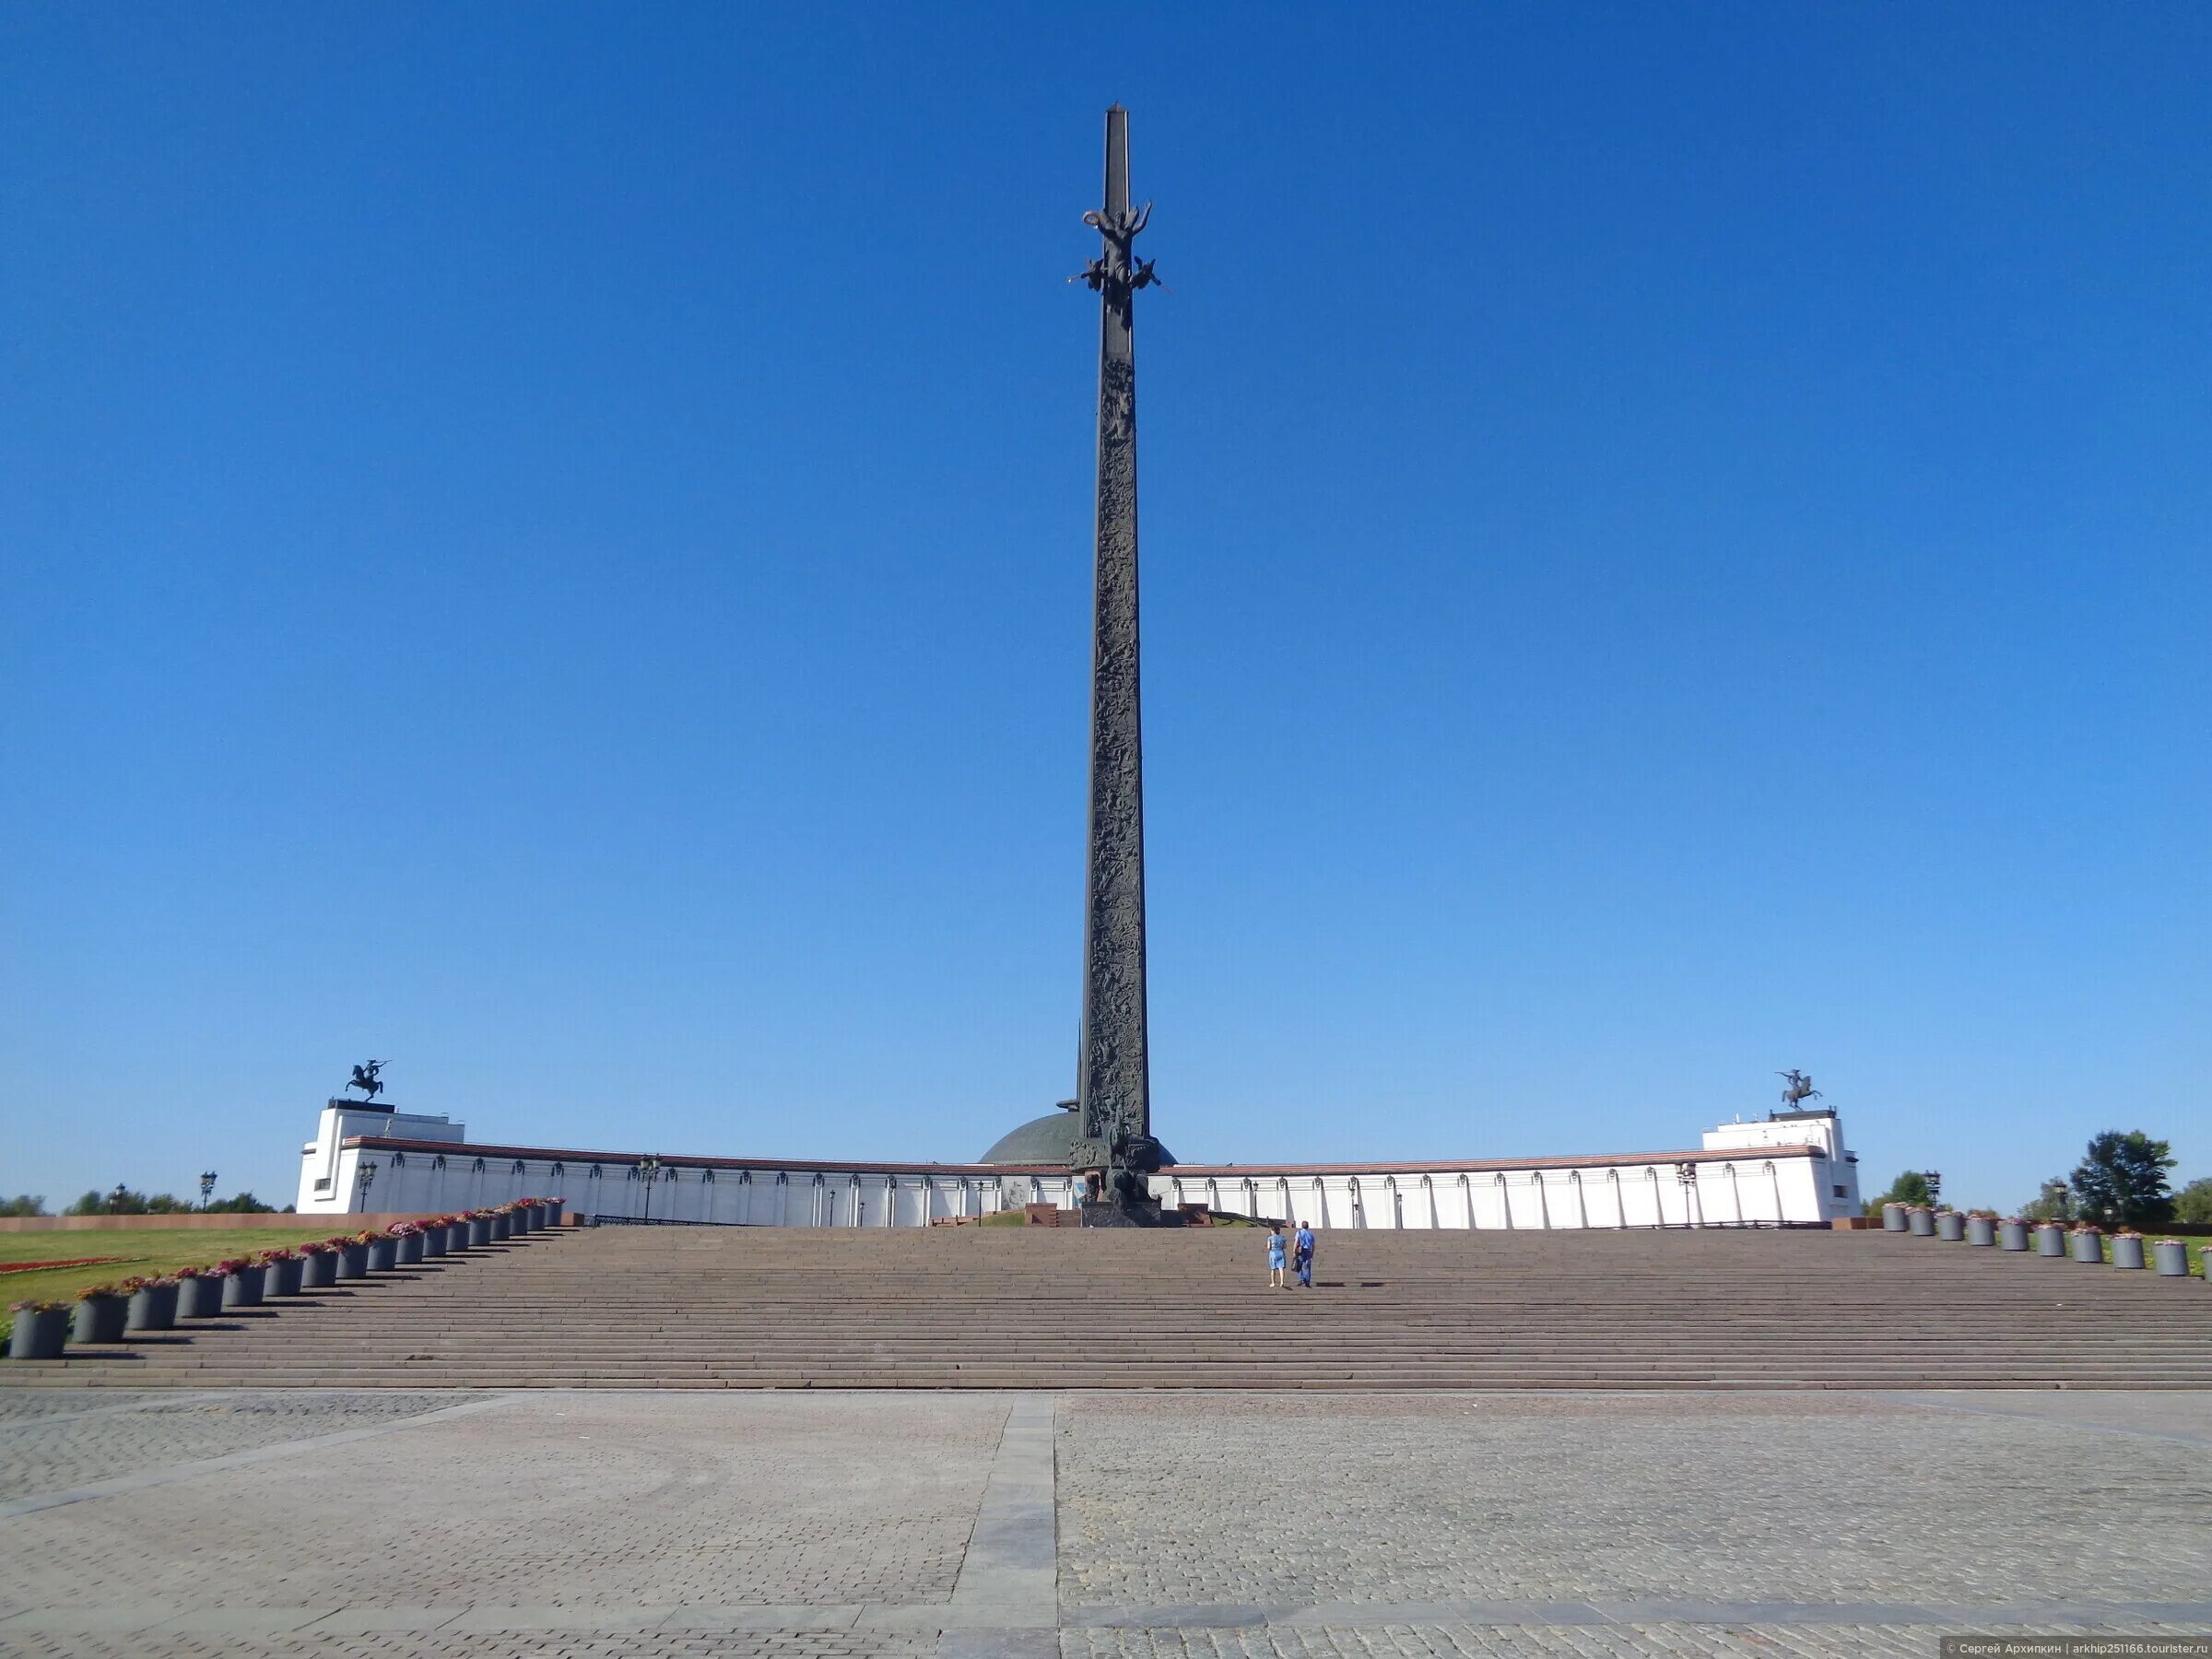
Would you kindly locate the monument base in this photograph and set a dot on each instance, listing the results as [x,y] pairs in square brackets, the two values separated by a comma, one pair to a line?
[1129,1212]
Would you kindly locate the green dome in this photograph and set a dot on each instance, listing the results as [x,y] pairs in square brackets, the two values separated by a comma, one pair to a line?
[1051,1139]
[1055,1139]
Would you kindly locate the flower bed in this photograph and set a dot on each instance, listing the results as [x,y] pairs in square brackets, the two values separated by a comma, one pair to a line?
[2191,1248]
[149,1252]
[69,1262]
[38,1329]
[272,1263]
[100,1314]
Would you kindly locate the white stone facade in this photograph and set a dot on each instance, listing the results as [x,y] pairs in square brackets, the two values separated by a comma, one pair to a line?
[1792,1182]
[330,1180]
[1799,1172]
[1780,1129]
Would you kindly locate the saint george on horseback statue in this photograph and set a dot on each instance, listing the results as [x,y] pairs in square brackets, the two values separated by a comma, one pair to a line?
[1798,1086]
[369,1078]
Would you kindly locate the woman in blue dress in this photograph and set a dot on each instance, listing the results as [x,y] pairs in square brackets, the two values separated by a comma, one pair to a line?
[1275,1259]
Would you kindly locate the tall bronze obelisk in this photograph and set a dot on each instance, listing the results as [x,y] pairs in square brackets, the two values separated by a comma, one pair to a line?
[1114,1088]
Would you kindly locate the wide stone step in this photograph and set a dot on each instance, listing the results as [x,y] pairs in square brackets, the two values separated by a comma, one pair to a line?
[1257,1381]
[967,1308]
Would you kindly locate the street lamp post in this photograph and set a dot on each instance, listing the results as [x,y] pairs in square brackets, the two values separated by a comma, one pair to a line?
[116,1197]
[649,1171]
[1686,1173]
[1934,1180]
[367,1179]
[206,1188]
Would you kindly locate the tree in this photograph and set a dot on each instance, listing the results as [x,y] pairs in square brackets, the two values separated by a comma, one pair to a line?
[23,1203]
[244,1204]
[2122,1179]
[121,1200]
[129,1203]
[1910,1187]
[2054,1203]
[2192,1204]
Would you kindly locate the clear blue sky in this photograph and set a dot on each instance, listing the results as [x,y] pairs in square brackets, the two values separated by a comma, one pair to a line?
[550,544]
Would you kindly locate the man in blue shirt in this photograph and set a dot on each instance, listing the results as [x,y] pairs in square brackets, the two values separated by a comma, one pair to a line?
[1304,1255]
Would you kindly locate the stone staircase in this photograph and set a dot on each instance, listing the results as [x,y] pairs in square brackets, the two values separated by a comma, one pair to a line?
[628,1307]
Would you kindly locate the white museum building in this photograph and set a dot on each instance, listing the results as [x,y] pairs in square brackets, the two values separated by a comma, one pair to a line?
[1788,1168]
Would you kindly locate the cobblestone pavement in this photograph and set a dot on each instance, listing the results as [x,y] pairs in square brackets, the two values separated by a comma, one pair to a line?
[51,1440]
[1394,1641]
[506,1645]
[1570,1641]
[1712,1497]
[419,1524]
[545,1500]
[22,1405]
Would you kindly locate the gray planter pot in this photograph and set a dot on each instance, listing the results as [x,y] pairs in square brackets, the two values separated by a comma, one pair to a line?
[1893,1218]
[2170,1257]
[410,1250]
[1981,1230]
[39,1336]
[456,1238]
[2087,1247]
[480,1231]
[318,1271]
[556,1213]
[153,1308]
[2013,1235]
[383,1256]
[281,1279]
[200,1298]
[242,1290]
[1951,1226]
[518,1222]
[1922,1222]
[433,1243]
[353,1261]
[99,1319]
[2127,1252]
[502,1226]
[2051,1240]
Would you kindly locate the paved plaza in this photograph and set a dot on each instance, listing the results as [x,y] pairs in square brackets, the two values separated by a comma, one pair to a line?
[316,1524]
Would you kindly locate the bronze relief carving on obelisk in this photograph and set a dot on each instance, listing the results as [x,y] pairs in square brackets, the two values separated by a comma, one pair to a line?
[1114,1088]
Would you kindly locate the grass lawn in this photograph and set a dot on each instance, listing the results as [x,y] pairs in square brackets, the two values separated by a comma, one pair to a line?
[153,1250]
